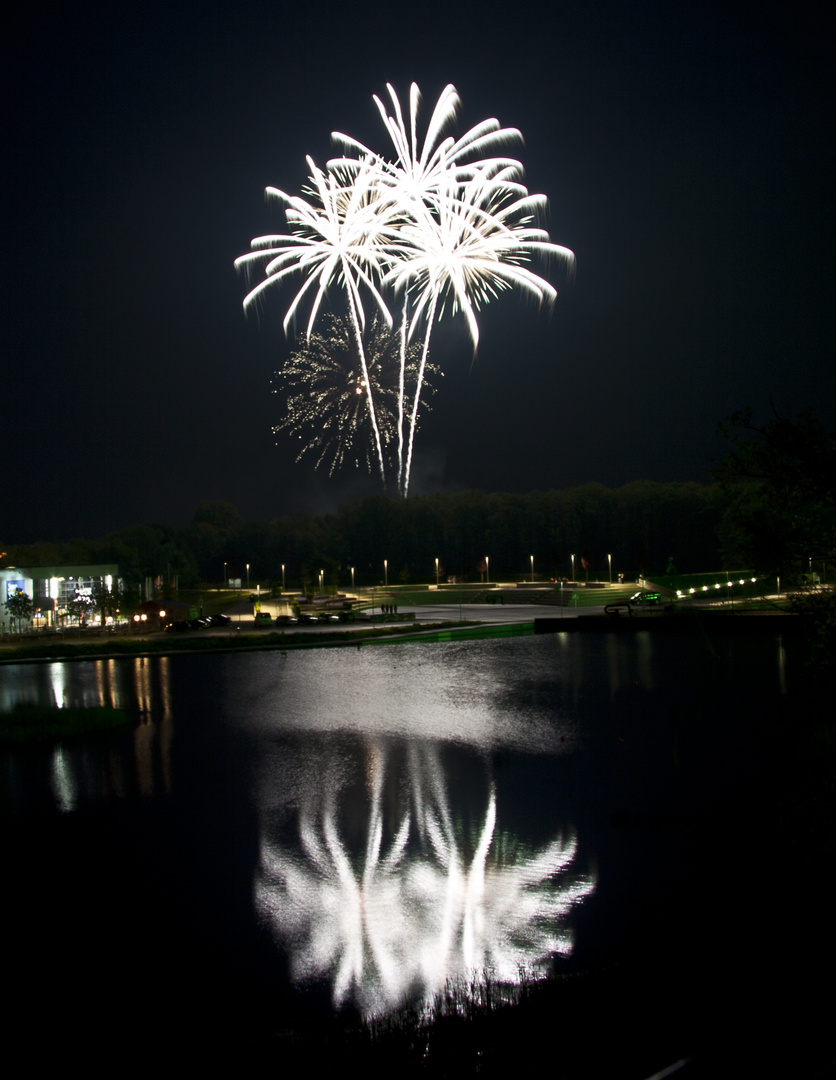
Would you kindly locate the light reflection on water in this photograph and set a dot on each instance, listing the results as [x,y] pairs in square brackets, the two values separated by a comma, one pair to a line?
[483,697]
[69,774]
[416,901]
[414,812]
[387,877]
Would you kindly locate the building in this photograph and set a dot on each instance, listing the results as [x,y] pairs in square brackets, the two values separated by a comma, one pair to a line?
[52,588]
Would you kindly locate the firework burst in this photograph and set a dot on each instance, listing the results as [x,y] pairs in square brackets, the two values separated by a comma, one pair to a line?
[335,237]
[447,224]
[327,392]
[474,244]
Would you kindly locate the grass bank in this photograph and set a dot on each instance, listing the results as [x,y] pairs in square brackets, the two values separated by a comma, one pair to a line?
[38,723]
[168,644]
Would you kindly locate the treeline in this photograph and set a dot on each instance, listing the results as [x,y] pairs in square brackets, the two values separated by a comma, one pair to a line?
[641,526]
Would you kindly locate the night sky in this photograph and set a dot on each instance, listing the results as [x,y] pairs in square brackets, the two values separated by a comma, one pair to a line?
[687,159]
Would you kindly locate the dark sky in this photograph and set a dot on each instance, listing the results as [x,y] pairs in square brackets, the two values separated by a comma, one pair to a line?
[686,153]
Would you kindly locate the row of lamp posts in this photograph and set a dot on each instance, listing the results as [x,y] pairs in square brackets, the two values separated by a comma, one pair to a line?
[386,572]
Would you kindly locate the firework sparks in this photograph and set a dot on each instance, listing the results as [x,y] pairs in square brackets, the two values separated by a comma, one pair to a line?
[327,403]
[333,239]
[416,178]
[473,245]
[448,221]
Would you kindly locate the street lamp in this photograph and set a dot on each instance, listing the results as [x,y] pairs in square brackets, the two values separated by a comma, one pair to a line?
[572,557]
[487,570]
[352,579]
[248,575]
[224,575]
[282,577]
[386,573]
[532,569]
[609,560]
[321,572]
[436,573]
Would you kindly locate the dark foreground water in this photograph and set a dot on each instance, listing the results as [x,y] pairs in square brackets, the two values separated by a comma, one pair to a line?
[277,839]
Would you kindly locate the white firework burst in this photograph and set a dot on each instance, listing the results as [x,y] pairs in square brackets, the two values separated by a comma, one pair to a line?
[473,244]
[334,238]
[414,180]
[327,399]
[447,222]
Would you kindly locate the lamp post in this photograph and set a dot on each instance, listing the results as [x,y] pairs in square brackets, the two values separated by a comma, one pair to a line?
[436,573]
[352,579]
[386,573]
[487,570]
[248,576]
[572,557]
[224,575]
[321,572]
[282,577]
[532,569]
[609,560]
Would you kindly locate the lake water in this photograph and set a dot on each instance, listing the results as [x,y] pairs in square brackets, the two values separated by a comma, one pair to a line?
[286,835]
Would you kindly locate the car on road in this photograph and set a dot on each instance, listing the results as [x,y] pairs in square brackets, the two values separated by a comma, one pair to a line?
[645,597]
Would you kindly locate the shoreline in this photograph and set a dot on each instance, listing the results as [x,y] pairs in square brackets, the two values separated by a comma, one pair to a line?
[692,621]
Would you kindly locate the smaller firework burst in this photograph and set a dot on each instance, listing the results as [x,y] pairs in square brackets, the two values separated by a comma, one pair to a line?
[328,399]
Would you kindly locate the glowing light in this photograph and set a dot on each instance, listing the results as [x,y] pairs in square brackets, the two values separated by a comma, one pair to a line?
[419,907]
[448,223]
[327,404]
[470,247]
[333,239]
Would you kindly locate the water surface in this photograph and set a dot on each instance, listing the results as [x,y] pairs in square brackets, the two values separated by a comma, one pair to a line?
[357,827]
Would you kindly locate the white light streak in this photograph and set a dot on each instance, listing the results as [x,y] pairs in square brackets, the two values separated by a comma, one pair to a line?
[415,911]
[447,222]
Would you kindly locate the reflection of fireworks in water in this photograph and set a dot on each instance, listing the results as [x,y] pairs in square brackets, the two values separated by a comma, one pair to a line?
[415,912]
[327,405]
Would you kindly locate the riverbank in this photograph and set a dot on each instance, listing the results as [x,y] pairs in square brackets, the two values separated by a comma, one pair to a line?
[109,648]
[475,621]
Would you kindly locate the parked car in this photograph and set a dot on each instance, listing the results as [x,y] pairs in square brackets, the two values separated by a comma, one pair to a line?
[219,620]
[263,618]
[286,620]
[642,597]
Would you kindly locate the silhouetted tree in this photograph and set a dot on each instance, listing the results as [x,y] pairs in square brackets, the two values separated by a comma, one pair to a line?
[19,606]
[780,479]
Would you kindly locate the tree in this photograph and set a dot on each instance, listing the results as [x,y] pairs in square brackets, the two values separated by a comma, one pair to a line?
[780,478]
[19,606]
[80,605]
[106,601]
